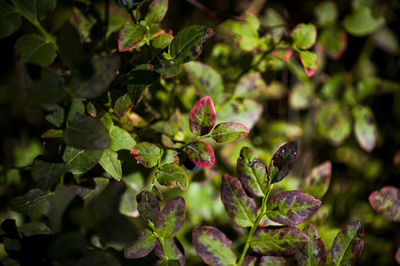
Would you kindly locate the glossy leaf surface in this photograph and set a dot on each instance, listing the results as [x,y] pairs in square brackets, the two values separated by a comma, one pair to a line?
[173,175]
[282,162]
[171,217]
[213,247]
[387,202]
[142,246]
[314,252]
[317,182]
[202,116]
[130,36]
[228,132]
[241,208]
[200,153]
[148,154]
[304,35]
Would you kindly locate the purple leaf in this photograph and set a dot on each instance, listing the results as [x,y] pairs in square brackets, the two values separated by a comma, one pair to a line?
[272,261]
[249,261]
[278,242]
[282,162]
[347,247]
[173,251]
[252,172]
[314,252]
[148,154]
[387,202]
[142,246]
[228,132]
[292,207]
[202,117]
[317,182]
[213,247]
[171,217]
[200,153]
[241,208]
[148,206]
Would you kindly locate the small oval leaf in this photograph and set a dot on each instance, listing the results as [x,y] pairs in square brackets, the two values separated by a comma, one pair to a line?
[283,52]
[228,132]
[272,261]
[317,182]
[347,247]
[156,12]
[202,117]
[241,208]
[200,153]
[282,162]
[309,61]
[130,36]
[171,217]
[147,154]
[171,175]
[213,247]
[142,246]
[365,128]
[314,252]
[148,206]
[278,242]
[387,202]
[304,35]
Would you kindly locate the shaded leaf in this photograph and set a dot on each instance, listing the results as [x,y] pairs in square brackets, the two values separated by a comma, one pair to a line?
[59,202]
[173,175]
[171,217]
[37,9]
[317,182]
[272,261]
[347,246]
[173,251]
[361,22]
[76,107]
[10,20]
[200,153]
[47,174]
[282,162]
[95,186]
[202,117]
[334,41]
[251,85]
[35,203]
[246,112]
[148,206]
[292,207]
[228,132]
[326,13]
[206,80]
[98,258]
[309,61]
[365,128]
[80,161]
[161,40]
[278,242]
[121,139]
[91,109]
[213,247]
[252,172]
[187,45]
[386,202]
[304,35]
[314,252]
[397,256]
[110,163]
[142,246]
[52,134]
[33,48]
[130,36]
[301,96]
[283,52]
[57,117]
[240,208]
[86,132]
[156,12]
[123,105]
[167,263]
[333,122]
[148,154]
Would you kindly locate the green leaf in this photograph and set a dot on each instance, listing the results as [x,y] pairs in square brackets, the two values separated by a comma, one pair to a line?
[121,139]
[200,153]
[142,246]
[80,161]
[252,172]
[213,247]
[37,9]
[309,61]
[123,105]
[292,207]
[246,112]
[361,22]
[251,85]
[272,261]
[387,202]
[86,132]
[173,175]
[326,13]
[347,247]
[206,80]
[171,217]
[148,154]
[240,208]
[105,69]
[10,20]
[282,162]
[188,43]
[278,242]
[76,107]
[161,40]
[130,36]
[202,117]
[334,41]
[33,48]
[110,163]
[47,174]
[301,96]
[365,128]
[317,182]
[314,252]
[57,117]
[304,35]
[35,203]
[156,12]
[283,52]
[148,206]
[52,134]
[173,251]
[228,132]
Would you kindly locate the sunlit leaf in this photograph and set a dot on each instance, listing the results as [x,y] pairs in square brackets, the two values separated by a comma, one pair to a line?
[200,153]
[148,154]
[228,132]
[317,182]
[156,12]
[241,208]
[142,246]
[283,52]
[202,117]
[246,112]
[334,41]
[365,128]
[272,261]
[173,175]
[173,251]
[33,48]
[309,61]
[171,217]
[110,163]
[213,247]
[130,36]
[304,35]
[282,162]
[121,139]
[387,202]
[314,252]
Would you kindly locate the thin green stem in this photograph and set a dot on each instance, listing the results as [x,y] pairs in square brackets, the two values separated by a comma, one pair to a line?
[254,226]
[160,238]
